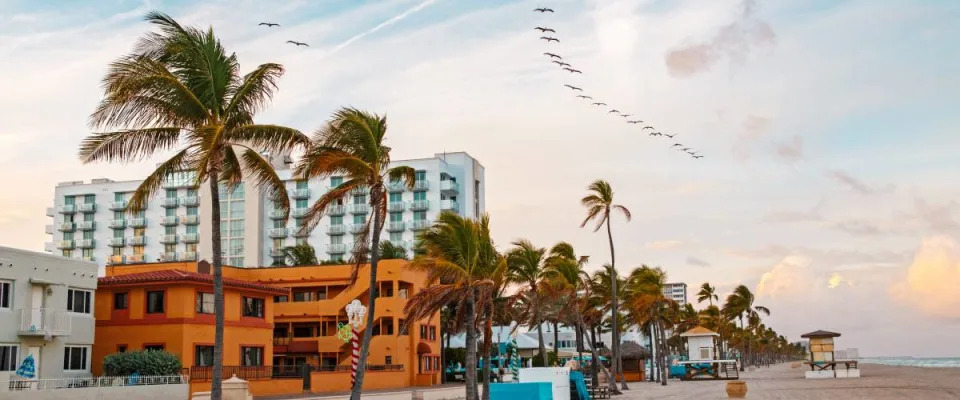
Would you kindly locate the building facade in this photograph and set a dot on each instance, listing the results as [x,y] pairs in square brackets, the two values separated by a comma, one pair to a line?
[89,221]
[676,292]
[46,310]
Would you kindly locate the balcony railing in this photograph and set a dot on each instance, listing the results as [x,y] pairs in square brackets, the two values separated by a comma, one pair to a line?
[300,193]
[136,241]
[360,190]
[358,228]
[421,186]
[188,256]
[169,221]
[242,372]
[117,223]
[117,242]
[190,201]
[190,219]
[278,233]
[276,214]
[65,245]
[67,227]
[86,243]
[450,187]
[86,225]
[44,322]
[296,232]
[396,187]
[138,222]
[190,238]
[118,205]
[395,206]
[418,225]
[116,259]
[168,257]
[338,229]
[87,207]
[449,205]
[135,258]
[395,226]
[67,209]
[299,212]
[358,208]
[275,252]
[336,211]
[169,239]
[420,205]
[169,202]
[337,248]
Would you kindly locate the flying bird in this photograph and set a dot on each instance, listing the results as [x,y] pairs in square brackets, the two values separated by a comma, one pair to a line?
[613,111]
[543,10]
[647,127]
[637,121]
[542,29]
[298,43]
[685,149]
[561,63]
[573,87]
[654,133]
[625,115]
[550,39]
[599,104]
[697,156]
[670,136]
[584,97]
[268,24]
[552,55]
[572,71]
[676,144]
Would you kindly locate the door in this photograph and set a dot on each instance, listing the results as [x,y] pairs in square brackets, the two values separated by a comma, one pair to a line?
[36,305]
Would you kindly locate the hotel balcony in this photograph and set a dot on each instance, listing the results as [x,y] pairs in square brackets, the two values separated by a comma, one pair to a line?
[420,205]
[65,245]
[67,209]
[190,219]
[299,212]
[449,205]
[117,224]
[278,233]
[86,225]
[396,187]
[169,221]
[358,208]
[168,239]
[168,257]
[334,230]
[299,194]
[295,231]
[135,258]
[116,242]
[180,183]
[135,241]
[169,202]
[190,201]
[421,186]
[275,252]
[395,226]
[360,190]
[190,238]
[337,248]
[277,214]
[449,187]
[336,211]
[86,243]
[87,208]
[48,229]
[188,256]
[358,228]
[395,206]
[51,211]
[44,322]
[118,206]
[67,227]
[116,259]
[138,222]
[418,225]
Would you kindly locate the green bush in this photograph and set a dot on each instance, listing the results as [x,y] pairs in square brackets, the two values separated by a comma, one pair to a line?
[142,362]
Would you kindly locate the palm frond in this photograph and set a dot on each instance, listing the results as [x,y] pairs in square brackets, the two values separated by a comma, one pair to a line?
[255,89]
[268,138]
[153,182]
[265,177]
[128,145]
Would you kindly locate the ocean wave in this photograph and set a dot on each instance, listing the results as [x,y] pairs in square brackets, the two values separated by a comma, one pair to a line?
[916,362]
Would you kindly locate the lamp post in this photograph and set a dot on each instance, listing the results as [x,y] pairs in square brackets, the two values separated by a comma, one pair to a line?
[355,312]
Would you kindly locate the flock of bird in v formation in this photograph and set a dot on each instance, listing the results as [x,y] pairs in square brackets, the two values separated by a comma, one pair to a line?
[559,61]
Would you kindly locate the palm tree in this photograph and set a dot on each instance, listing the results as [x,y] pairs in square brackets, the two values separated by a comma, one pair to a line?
[708,293]
[645,294]
[301,254]
[459,259]
[390,251]
[739,304]
[599,204]
[181,90]
[352,145]
[525,267]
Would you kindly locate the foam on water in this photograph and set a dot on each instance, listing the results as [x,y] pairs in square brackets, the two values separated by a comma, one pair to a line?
[915,362]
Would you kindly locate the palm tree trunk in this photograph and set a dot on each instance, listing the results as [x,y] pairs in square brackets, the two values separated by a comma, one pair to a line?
[614,314]
[443,354]
[556,341]
[216,388]
[663,355]
[470,375]
[375,193]
[487,348]
[579,333]
[743,353]
[596,359]
[543,348]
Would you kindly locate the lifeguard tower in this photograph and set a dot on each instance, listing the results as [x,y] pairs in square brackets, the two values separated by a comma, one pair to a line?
[701,364]
[822,363]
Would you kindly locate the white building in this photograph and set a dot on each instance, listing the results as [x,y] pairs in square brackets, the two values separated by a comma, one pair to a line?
[677,292]
[89,222]
[46,310]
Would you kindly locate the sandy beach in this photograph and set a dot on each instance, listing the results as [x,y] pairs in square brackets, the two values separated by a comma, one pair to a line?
[783,382]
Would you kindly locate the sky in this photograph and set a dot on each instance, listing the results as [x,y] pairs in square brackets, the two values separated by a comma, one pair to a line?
[829,183]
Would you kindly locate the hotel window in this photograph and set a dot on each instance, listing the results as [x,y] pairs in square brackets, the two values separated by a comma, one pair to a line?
[89,199]
[359,219]
[433,333]
[388,360]
[301,184]
[396,197]
[138,251]
[78,301]
[203,356]
[155,302]
[171,212]
[8,357]
[192,211]
[251,356]
[360,199]
[68,253]
[301,203]
[336,239]
[396,217]
[121,348]
[396,236]
[421,175]
[419,215]
[153,347]
[171,193]
[253,307]
[336,181]
[303,296]
[205,303]
[418,196]
[336,220]
[280,299]
[118,196]
[302,331]
[87,253]
[75,358]
[5,296]
[121,301]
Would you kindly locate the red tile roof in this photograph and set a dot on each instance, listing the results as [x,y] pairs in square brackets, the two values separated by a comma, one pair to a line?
[176,275]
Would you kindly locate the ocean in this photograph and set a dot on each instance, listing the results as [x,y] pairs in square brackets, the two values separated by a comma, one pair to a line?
[951,362]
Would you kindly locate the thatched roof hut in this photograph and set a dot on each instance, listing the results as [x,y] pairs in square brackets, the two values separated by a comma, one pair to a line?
[633,351]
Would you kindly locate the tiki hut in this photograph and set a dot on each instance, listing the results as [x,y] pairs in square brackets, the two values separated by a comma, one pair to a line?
[633,355]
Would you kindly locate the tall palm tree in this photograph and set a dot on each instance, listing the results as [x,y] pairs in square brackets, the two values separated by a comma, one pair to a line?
[599,204]
[739,304]
[645,293]
[180,90]
[301,254]
[707,293]
[525,267]
[459,259]
[352,145]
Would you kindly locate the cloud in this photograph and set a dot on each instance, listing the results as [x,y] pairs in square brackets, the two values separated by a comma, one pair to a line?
[855,184]
[791,151]
[931,281]
[938,217]
[857,227]
[697,262]
[752,130]
[662,244]
[836,279]
[789,277]
[814,214]
[733,41]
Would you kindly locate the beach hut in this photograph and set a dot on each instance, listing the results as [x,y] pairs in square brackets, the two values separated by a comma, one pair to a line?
[633,355]
[700,344]
[822,362]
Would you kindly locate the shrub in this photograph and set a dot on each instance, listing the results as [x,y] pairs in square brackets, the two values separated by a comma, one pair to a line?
[142,362]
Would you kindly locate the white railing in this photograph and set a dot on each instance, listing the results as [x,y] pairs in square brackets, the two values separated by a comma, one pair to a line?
[396,206]
[44,321]
[358,208]
[92,382]
[338,229]
[421,186]
[395,226]
[449,205]
[449,186]
[419,205]
[336,210]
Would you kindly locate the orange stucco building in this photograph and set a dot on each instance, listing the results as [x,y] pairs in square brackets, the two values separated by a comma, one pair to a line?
[302,307]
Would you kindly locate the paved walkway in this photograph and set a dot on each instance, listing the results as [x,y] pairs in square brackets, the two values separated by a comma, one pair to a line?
[341,394]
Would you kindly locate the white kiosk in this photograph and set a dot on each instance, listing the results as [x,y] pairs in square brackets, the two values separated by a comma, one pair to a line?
[702,363]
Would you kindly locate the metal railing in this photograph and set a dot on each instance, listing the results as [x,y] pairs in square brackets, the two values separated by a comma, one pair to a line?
[338,229]
[138,222]
[168,257]
[118,206]
[358,208]
[117,242]
[396,206]
[275,252]
[65,244]
[188,256]
[136,240]
[190,219]
[92,382]
[67,209]
[169,239]
[396,187]
[44,321]
[190,201]
[300,193]
[360,190]
[135,258]
[417,225]
[242,372]
[276,214]
[449,205]
[86,243]
[277,233]
[169,221]
[87,207]
[299,212]
[86,225]
[449,186]
[336,210]
[67,227]
[395,226]
[421,186]
[169,202]
[117,223]
[358,228]
[419,205]
[190,238]
[337,248]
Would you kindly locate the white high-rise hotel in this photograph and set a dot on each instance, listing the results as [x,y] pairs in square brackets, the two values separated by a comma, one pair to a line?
[89,221]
